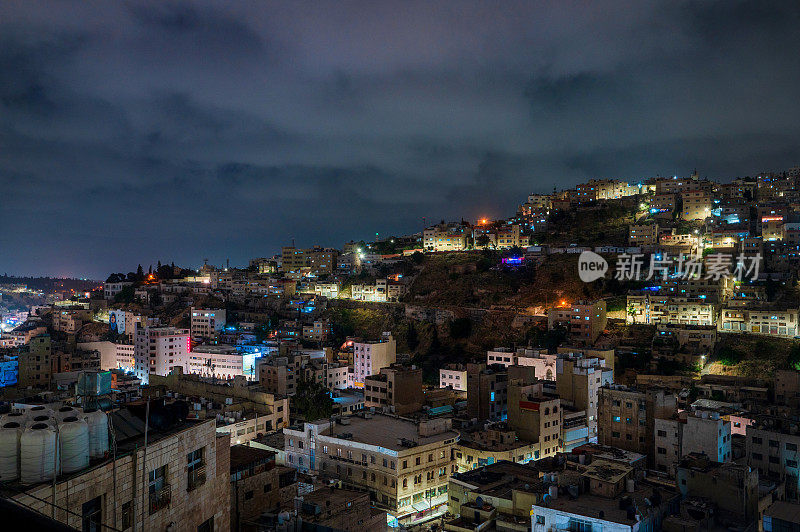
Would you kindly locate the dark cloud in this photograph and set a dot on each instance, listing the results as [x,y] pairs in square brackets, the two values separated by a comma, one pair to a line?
[137,131]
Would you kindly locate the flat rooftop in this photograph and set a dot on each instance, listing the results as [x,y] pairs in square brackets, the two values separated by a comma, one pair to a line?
[383,431]
[591,505]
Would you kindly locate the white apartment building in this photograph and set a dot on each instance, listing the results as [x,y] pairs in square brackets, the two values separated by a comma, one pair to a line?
[370,357]
[765,321]
[543,363]
[340,376]
[454,375]
[157,350]
[207,323]
[220,361]
[110,290]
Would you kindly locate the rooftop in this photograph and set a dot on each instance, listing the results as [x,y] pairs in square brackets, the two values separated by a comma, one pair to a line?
[383,431]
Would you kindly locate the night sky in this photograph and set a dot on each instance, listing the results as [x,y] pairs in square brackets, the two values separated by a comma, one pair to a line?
[132,132]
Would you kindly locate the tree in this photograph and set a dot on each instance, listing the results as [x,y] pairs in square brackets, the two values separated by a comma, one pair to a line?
[313,401]
[482,241]
[139,273]
[412,337]
[460,328]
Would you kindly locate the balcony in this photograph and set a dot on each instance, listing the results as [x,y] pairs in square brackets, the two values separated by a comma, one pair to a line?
[196,478]
[160,498]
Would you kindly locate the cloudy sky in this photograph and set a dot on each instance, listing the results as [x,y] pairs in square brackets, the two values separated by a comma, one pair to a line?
[136,131]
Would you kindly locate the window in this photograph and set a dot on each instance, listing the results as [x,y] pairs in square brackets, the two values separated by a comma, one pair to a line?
[248,495]
[791,446]
[127,515]
[539,519]
[195,470]
[207,526]
[267,488]
[92,515]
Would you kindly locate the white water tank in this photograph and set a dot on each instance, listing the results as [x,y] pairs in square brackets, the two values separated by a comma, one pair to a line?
[37,453]
[9,450]
[66,411]
[98,432]
[73,439]
[14,417]
[553,491]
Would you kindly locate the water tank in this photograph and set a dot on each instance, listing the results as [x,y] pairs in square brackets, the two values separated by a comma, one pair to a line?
[14,417]
[37,455]
[73,439]
[553,491]
[9,450]
[66,411]
[98,432]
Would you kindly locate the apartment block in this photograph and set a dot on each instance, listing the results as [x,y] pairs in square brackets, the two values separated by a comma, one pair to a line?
[536,416]
[454,375]
[771,322]
[626,416]
[584,321]
[578,380]
[207,323]
[396,389]
[159,350]
[404,465]
[369,357]
[643,235]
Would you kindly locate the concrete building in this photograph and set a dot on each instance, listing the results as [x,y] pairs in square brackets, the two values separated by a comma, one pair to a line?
[263,411]
[207,323]
[584,321]
[35,362]
[781,516]
[536,416]
[772,445]
[612,500]
[404,465]
[257,485]
[732,487]
[643,235]
[510,490]
[544,364]
[396,390]
[578,381]
[497,443]
[159,350]
[696,205]
[626,416]
[218,361]
[649,308]
[453,375]
[452,236]
[332,508]
[186,471]
[771,322]
[110,290]
[370,357]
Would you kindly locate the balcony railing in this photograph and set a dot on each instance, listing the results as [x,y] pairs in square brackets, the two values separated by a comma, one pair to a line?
[197,477]
[160,498]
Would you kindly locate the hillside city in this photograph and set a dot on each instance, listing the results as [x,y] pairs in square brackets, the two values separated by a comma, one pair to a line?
[617,356]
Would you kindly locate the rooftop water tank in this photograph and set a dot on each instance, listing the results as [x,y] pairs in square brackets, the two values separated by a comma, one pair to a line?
[65,411]
[98,432]
[9,450]
[37,456]
[73,439]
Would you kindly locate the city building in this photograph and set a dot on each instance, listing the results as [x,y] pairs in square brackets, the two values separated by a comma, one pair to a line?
[626,416]
[643,235]
[159,350]
[35,362]
[330,508]
[396,389]
[578,380]
[187,469]
[257,485]
[370,357]
[584,321]
[404,465]
[535,415]
[207,323]
[452,236]
[218,361]
[453,375]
